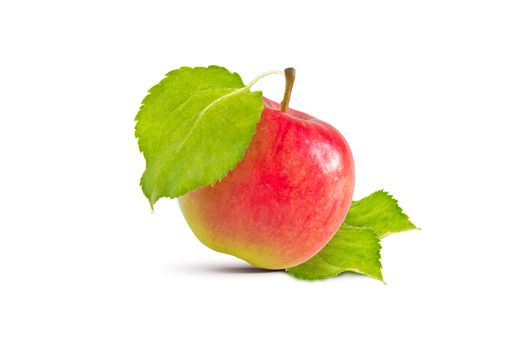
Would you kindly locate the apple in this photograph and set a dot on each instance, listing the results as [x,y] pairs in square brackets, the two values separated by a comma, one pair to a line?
[285,199]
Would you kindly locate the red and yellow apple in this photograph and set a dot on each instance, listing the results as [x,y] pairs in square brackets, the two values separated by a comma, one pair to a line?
[285,199]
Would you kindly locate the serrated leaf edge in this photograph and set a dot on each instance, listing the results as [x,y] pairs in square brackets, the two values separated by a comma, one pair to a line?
[399,210]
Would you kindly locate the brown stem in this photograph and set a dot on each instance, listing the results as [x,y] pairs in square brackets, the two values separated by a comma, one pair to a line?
[289,74]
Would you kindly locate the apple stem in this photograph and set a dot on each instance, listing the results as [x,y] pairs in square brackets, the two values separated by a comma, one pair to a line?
[289,74]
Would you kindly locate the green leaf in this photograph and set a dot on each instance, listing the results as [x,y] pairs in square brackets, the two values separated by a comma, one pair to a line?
[193,128]
[381,212]
[355,249]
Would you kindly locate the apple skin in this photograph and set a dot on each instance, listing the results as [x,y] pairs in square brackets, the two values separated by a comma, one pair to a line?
[284,200]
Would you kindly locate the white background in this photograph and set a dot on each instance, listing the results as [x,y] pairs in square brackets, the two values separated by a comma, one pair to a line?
[429,94]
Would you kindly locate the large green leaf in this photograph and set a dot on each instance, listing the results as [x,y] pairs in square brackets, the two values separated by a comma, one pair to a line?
[193,128]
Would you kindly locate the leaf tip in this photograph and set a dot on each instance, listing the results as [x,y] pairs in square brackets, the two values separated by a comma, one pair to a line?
[152,199]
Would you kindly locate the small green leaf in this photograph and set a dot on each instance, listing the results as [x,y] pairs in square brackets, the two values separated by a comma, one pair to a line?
[354,249]
[193,128]
[381,212]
